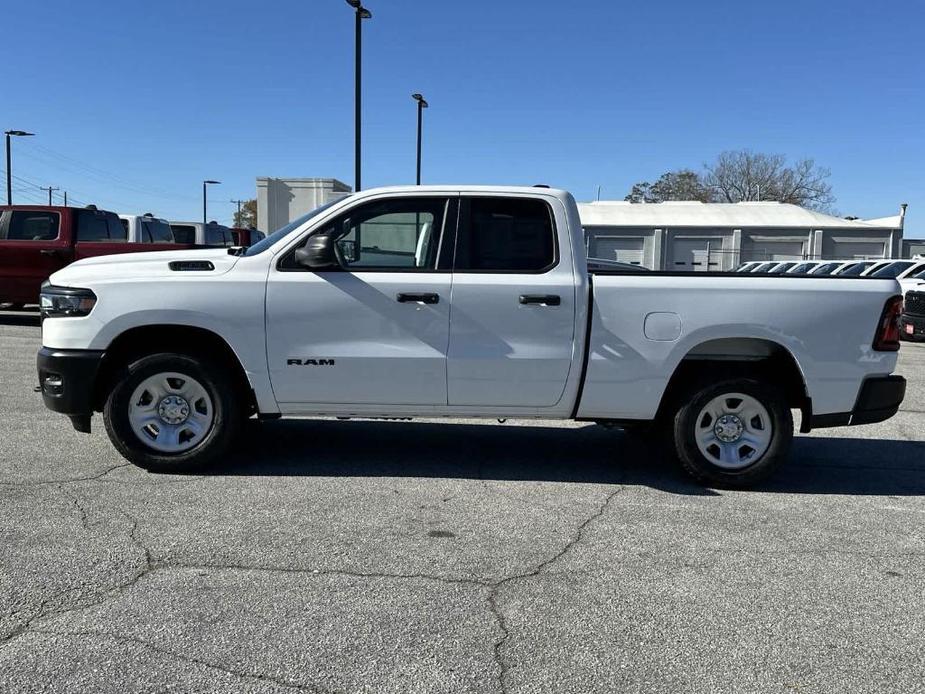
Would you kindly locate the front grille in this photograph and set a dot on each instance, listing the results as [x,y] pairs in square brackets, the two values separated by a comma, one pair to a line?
[915,303]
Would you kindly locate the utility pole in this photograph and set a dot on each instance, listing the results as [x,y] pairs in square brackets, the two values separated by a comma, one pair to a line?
[50,189]
[65,198]
[238,203]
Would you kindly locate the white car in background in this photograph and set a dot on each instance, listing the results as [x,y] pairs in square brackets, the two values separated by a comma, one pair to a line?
[899,269]
[830,267]
[146,228]
[804,268]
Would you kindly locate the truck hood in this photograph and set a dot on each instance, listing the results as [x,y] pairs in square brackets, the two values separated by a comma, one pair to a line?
[149,265]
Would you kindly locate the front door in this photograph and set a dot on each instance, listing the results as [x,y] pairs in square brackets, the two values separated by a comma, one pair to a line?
[512,322]
[32,247]
[375,331]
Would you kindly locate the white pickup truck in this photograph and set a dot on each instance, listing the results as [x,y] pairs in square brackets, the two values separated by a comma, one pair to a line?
[459,301]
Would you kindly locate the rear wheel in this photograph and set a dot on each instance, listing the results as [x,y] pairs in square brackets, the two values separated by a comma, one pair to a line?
[734,433]
[172,413]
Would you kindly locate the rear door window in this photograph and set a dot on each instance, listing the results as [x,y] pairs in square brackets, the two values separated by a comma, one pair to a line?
[505,235]
[91,226]
[32,226]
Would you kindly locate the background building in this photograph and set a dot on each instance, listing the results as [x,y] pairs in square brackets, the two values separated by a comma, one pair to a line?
[281,200]
[717,236]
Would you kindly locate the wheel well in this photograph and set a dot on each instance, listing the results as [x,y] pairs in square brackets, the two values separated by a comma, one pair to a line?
[737,358]
[175,339]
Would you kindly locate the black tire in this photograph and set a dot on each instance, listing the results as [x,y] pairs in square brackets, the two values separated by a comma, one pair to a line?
[700,467]
[226,420]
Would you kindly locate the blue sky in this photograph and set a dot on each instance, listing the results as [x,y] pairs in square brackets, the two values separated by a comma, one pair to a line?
[135,103]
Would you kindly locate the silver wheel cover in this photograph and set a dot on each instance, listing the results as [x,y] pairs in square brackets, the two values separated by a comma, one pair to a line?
[170,412]
[733,431]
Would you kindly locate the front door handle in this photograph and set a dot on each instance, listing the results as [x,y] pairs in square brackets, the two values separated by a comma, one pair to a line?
[48,251]
[422,298]
[541,299]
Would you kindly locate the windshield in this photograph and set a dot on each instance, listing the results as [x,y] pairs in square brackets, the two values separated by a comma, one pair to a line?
[892,270]
[854,270]
[271,239]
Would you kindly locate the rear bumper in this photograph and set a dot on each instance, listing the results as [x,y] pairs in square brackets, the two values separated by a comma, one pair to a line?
[879,399]
[66,379]
[913,327]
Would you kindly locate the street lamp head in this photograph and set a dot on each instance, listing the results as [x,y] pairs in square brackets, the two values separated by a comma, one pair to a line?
[212,182]
[355,4]
[365,14]
[420,99]
[18,133]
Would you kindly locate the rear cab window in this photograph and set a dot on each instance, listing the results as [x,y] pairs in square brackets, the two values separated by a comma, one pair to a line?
[96,225]
[184,233]
[500,234]
[157,231]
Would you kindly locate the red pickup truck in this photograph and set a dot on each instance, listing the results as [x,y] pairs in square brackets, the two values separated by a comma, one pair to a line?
[37,240]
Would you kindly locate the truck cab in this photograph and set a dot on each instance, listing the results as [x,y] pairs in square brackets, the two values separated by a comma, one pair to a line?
[146,228]
[38,240]
[199,234]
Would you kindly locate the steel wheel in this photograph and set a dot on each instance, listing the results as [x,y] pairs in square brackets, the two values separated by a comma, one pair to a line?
[733,431]
[170,412]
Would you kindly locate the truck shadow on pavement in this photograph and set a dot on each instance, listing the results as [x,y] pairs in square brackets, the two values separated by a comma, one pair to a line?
[589,454]
[24,317]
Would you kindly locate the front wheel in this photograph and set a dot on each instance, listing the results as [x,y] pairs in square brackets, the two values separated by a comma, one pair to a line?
[733,433]
[172,413]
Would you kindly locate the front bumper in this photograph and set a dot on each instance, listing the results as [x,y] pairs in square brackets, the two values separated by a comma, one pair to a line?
[879,399]
[66,380]
[913,327]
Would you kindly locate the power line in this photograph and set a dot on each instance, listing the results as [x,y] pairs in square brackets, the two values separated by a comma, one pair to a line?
[102,173]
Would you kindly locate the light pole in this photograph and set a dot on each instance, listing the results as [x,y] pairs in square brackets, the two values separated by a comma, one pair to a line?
[9,165]
[361,14]
[422,104]
[204,184]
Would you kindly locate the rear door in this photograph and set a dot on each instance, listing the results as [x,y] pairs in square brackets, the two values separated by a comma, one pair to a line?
[33,245]
[512,320]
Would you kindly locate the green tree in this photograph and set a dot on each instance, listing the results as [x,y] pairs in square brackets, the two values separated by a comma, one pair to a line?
[674,185]
[247,217]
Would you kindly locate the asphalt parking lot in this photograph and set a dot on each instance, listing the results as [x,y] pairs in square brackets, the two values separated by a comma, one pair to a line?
[367,556]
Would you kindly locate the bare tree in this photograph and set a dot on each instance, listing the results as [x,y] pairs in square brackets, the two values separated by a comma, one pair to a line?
[745,175]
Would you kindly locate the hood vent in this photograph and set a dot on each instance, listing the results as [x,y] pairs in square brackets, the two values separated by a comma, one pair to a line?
[191,265]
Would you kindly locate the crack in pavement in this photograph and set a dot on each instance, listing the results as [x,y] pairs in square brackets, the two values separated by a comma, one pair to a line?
[497,586]
[127,640]
[150,564]
[73,480]
[43,613]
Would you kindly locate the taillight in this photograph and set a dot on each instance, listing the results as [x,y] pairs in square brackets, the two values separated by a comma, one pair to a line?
[887,337]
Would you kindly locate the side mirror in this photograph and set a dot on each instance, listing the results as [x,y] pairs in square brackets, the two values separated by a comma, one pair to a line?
[318,253]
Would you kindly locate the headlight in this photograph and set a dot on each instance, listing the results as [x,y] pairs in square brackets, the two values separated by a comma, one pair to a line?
[56,302]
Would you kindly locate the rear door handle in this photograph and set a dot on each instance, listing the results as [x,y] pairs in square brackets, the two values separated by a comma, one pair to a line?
[48,251]
[423,298]
[541,299]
